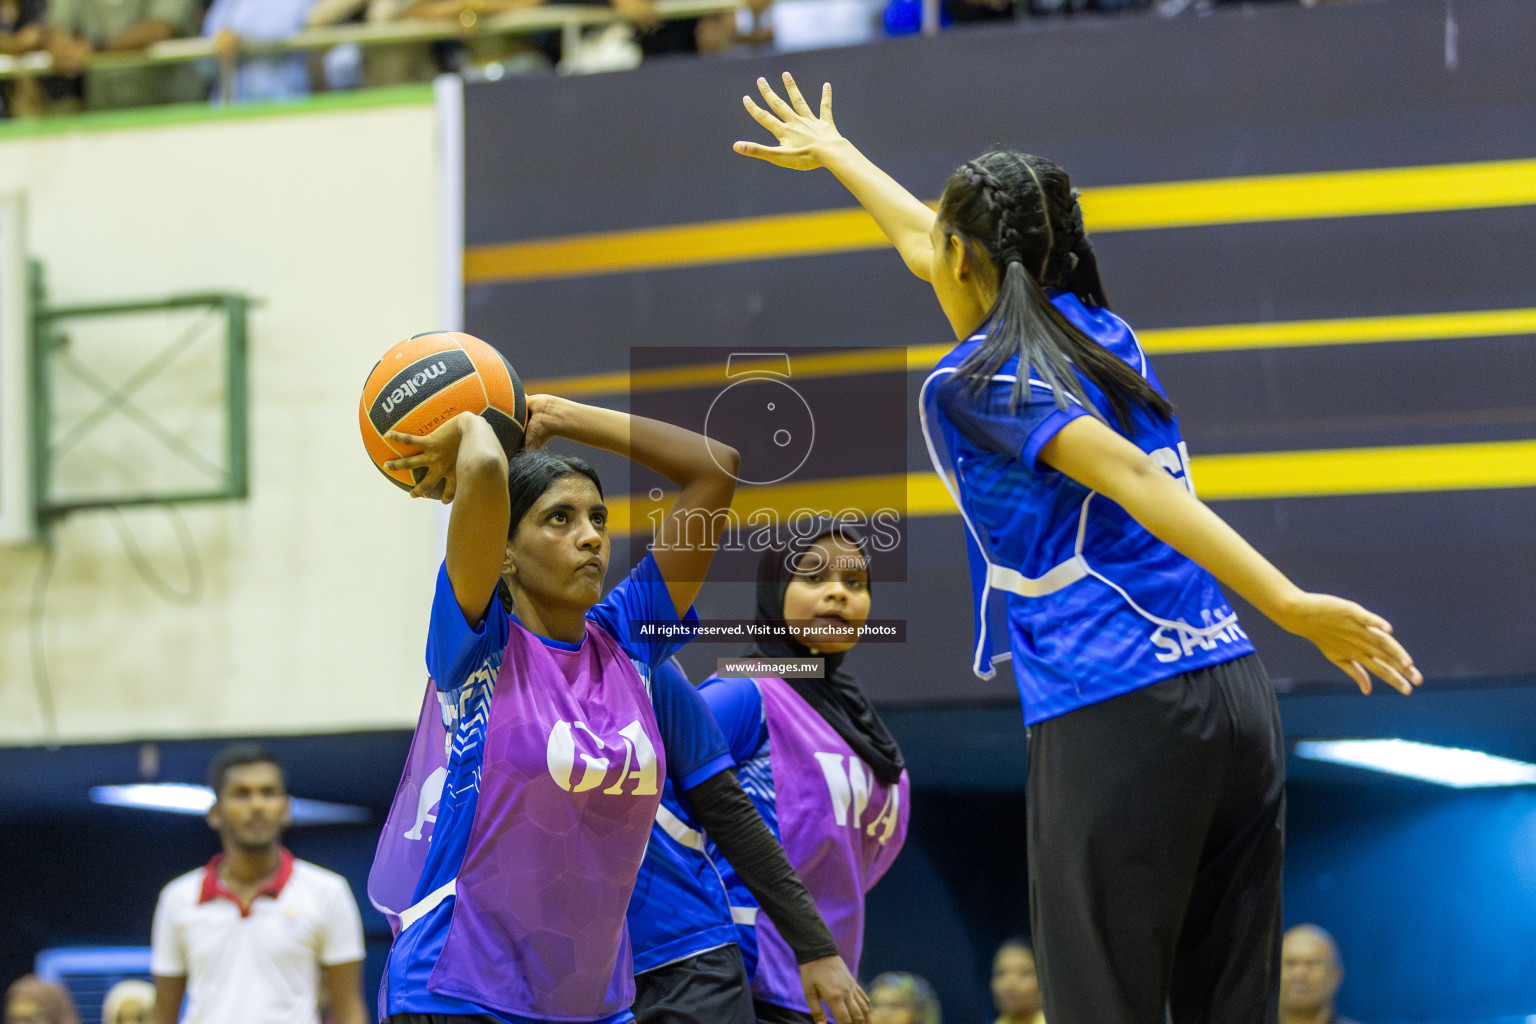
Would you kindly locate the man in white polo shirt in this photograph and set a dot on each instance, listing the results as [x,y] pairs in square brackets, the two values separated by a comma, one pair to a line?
[249,935]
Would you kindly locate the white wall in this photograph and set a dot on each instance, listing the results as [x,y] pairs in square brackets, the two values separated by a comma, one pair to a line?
[317,590]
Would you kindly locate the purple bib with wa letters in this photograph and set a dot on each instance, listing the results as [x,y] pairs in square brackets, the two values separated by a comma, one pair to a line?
[570,781]
[840,826]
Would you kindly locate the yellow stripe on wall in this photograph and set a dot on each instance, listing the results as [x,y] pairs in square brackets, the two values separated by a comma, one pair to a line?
[1110,208]
[1268,197]
[816,364]
[1355,330]
[1485,465]
[681,245]
[1359,330]
[1397,470]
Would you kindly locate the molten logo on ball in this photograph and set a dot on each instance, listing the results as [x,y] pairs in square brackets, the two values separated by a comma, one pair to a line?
[420,380]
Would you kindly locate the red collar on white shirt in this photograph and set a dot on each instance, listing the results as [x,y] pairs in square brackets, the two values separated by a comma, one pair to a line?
[214,887]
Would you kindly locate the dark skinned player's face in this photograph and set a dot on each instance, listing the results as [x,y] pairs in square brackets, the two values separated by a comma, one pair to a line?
[131,1012]
[1015,987]
[828,595]
[558,555]
[252,808]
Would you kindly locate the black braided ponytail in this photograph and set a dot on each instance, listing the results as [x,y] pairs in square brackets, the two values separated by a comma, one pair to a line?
[1021,213]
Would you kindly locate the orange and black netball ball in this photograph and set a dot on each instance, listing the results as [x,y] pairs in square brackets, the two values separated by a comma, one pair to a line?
[425,381]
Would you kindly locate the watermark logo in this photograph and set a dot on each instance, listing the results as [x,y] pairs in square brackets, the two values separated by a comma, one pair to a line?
[761,411]
[822,437]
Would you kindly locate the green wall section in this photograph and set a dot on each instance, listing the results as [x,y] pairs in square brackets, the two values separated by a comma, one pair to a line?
[196,113]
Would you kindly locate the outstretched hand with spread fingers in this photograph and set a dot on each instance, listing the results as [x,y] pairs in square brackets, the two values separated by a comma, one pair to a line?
[802,135]
[1357,640]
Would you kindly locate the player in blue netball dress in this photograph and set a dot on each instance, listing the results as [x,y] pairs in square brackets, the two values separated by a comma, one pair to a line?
[697,922]
[1156,765]
[688,965]
[813,753]
[682,927]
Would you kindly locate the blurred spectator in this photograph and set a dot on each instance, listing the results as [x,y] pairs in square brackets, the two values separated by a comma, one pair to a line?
[304,922]
[656,36]
[485,55]
[901,998]
[399,63]
[963,11]
[1015,986]
[128,1002]
[350,65]
[79,28]
[750,23]
[21,26]
[809,24]
[21,31]
[31,1000]
[905,16]
[644,33]
[231,23]
[1310,974]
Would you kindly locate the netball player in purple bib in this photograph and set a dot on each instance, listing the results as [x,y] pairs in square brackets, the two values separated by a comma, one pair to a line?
[560,731]
[813,754]
[1156,765]
[688,959]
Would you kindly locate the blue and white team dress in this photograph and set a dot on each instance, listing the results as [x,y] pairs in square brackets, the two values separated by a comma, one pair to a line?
[1155,791]
[466,662]
[1087,603]
[679,908]
[738,709]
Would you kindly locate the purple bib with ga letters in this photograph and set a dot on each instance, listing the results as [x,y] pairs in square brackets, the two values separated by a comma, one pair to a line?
[840,826]
[571,779]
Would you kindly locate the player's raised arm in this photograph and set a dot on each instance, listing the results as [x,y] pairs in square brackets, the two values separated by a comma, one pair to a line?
[808,140]
[704,471]
[1353,638]
[466,458]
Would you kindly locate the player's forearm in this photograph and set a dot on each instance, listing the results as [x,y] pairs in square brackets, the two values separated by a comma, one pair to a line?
[1095,456]
[1177,518]
[345,982]
[480,457]
[352,1012]
[906,220]
[329,12]
[732,821]
[168,995]
[141,34]
[691,461]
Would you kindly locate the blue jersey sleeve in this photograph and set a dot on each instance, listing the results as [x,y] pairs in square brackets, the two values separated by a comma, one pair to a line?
[984,418]
[455,650]
[695,749]
[737,706]
[639,597]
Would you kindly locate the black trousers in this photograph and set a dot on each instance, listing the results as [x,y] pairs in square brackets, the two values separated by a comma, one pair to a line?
[773,1013]
[1156,825]
[711,988]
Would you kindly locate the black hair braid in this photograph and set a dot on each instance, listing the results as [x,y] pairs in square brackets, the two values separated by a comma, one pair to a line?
[1081,276]
[1020,229]
[1021,212]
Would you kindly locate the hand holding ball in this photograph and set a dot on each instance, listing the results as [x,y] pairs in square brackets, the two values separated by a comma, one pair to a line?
[424,382]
